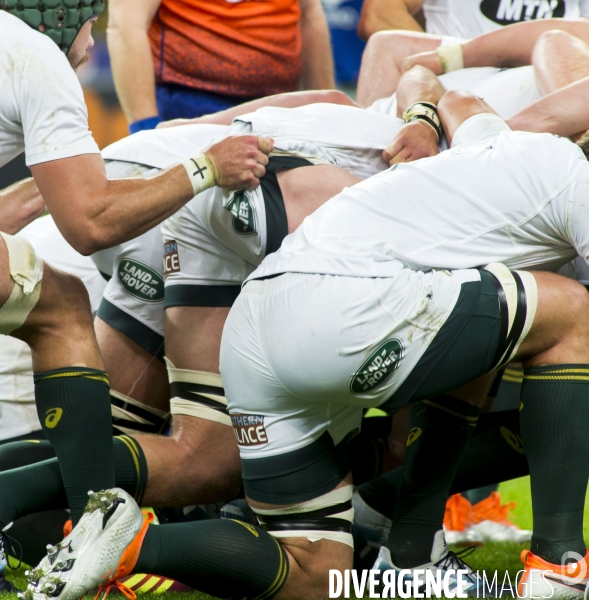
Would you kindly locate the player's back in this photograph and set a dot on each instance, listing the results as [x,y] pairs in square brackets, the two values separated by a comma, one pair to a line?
[499,199]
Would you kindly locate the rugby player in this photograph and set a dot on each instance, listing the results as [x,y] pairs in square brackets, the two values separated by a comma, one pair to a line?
[202,474]
[43,113]
[290,431]
[207,473]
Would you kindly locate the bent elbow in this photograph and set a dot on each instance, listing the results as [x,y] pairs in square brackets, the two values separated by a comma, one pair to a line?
[88,239]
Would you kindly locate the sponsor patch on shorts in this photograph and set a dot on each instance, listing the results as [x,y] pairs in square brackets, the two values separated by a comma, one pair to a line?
[249,430]
[378,367]
[141,281]
[242,209]
[171,257]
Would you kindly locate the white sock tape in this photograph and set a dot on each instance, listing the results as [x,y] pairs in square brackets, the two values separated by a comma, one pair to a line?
[200,172]
[451,58]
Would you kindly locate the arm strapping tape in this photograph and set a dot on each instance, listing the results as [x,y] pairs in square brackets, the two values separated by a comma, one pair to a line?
[201,173]
[427,112]
[131,416]
[26,270]
[451,58]
[197,394]
[328,517]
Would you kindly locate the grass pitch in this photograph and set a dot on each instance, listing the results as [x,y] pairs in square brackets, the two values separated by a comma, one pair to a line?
[503,558]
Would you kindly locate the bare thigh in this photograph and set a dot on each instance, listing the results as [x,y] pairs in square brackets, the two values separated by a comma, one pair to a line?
[131,369]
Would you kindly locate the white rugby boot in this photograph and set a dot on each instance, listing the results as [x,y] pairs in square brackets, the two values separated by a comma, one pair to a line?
[542,579]
[101,548]
[443,560]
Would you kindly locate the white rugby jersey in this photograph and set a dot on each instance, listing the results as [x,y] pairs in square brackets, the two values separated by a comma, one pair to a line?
[18,415]
[495,196]
[42,109]
[506,91]
[346,136]
[470,18]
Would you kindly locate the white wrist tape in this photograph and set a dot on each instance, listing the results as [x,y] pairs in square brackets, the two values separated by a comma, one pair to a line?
[451,58]
[200,172]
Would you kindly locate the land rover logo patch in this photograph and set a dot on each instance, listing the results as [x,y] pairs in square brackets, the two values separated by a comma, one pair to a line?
[244,218]
[141,281]
[379,367]
[505,12]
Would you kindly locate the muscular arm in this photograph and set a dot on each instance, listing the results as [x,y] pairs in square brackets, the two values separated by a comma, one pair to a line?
[316,48]
[20,204]
[564,112]
[455,107]
[94,213]
[379,15]
[130,55]
[286,100]
[510,46]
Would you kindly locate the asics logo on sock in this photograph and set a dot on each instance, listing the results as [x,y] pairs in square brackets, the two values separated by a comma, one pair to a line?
[513,440]
[52,417]
[413,435]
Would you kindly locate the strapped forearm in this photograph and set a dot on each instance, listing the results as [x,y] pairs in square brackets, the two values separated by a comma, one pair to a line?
[512,46]
[418,85]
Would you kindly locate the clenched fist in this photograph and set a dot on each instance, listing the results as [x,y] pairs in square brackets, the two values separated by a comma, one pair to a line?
[414,140]
[240,161]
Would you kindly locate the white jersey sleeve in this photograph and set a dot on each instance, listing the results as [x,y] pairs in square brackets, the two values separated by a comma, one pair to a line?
[479,128]
[51,105]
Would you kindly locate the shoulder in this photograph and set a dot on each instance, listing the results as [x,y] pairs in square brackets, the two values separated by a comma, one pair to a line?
[18,40]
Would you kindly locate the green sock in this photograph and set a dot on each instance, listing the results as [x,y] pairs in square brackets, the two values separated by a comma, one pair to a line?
[39,486]
[26,452]
[439,432]
[221,557]
[554,424]
[73,405]
[495,453]
[130,466]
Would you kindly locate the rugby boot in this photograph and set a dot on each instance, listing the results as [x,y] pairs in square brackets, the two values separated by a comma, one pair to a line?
[370,530]
[5,585]
[441,560]
[542,579]
[490,522]
[457,522]
[143,583]
[102,548]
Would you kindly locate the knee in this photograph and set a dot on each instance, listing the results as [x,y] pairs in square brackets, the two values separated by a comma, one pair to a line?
[555,40]
[381,41]
[71,291]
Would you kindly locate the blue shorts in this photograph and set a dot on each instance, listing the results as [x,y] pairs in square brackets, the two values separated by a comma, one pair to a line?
[179,102]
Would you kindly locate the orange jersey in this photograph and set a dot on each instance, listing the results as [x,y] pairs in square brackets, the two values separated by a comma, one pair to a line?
[247,48]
